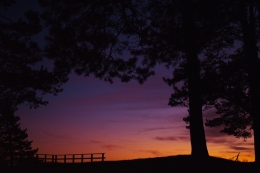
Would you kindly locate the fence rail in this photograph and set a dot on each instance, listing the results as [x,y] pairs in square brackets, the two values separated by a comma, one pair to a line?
[71,158]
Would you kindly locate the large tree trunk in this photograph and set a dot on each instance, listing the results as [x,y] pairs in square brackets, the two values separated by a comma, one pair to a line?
[251,52]
[197,133]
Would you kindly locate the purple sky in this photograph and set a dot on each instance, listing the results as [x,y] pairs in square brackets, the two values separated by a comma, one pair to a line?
[124,120]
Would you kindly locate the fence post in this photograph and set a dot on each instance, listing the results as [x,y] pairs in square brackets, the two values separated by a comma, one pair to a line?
[82,158]
[52,158]
[45,158]
[64,158]
[103,157]
[55,158]
[73,158]
[37,157]
[91,157]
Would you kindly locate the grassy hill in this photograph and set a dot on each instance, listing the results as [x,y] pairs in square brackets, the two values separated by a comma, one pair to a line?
[171,164]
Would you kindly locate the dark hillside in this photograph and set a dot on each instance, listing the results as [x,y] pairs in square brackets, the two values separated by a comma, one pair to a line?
[176,164]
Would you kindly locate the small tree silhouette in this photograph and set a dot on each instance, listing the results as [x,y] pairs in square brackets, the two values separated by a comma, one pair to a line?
[14,146]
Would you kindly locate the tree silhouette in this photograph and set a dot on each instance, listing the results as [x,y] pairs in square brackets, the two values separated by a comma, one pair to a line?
[248,102]
[20,79]
[248,24]
[230,80]
[93,38]
[14,146]
[180,32]
[233,102]
[197,134]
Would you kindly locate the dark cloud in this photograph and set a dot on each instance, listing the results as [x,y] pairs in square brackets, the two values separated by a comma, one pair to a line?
[230,152]
[143,106]
[213,132]
[111,147]
[217,140]
[120,121]
[171,138]
[213,135]
[154,152]
[249,143]
[155,129]
[240,148]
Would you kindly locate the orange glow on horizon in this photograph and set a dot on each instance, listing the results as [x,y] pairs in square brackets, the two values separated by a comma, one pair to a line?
[124,122]
[147,149]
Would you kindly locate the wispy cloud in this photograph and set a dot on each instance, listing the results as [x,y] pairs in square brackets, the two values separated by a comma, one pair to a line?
[240,148]
[60,136]
[120,121]
[218,140]
[155,129]
[111,147]
[154,152]
[214,132]
[171,138]
[249,144]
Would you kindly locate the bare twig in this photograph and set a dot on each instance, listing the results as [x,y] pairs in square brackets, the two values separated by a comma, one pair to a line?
[237,157]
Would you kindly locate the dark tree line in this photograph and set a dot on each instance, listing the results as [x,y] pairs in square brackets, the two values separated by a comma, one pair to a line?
[230,80]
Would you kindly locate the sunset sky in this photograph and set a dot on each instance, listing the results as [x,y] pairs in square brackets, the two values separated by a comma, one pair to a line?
[123,120]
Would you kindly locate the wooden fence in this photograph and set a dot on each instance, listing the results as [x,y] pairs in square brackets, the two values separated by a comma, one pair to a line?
[71,158]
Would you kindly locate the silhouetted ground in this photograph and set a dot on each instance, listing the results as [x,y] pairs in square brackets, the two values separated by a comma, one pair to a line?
[171,164]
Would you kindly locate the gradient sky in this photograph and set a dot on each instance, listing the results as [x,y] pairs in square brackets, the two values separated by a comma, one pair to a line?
[123,120]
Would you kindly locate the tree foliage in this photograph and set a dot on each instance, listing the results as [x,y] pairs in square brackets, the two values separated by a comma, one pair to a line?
[230,78]
[232,99]
[224,75]
[240,76]
[246,106]
[91,37]
[20,79]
